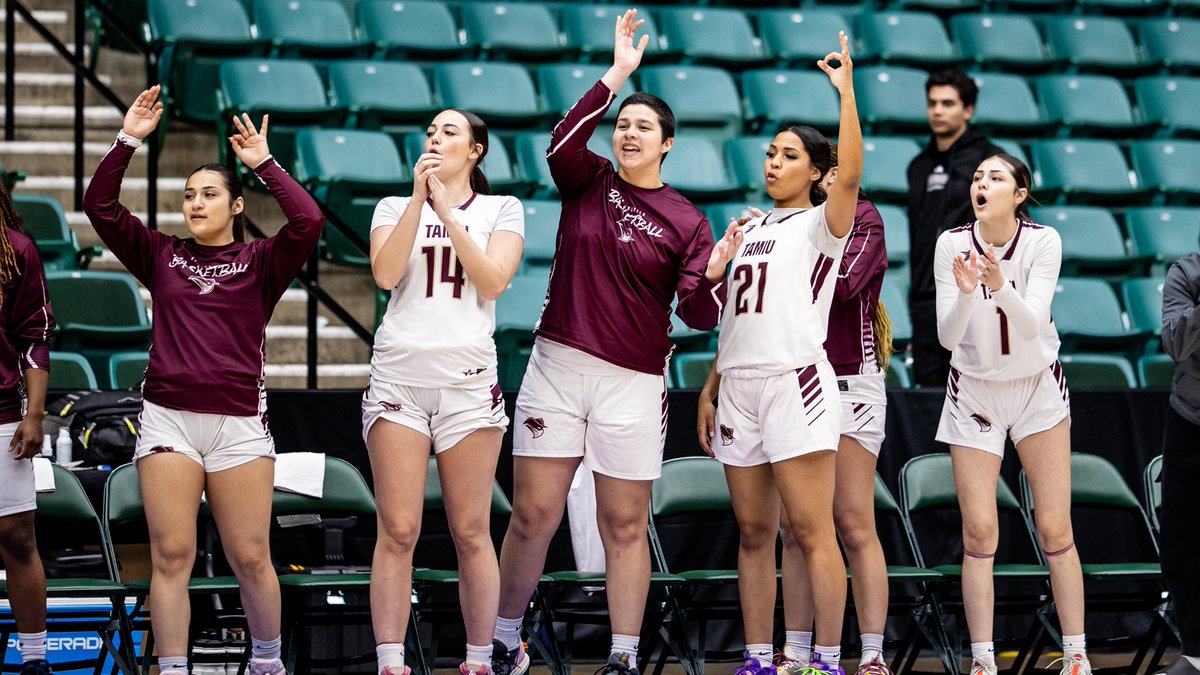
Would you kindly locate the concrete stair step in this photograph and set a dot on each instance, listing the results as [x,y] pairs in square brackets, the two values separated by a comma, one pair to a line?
[50,150]
[55,17]
[52,89]
[39,56]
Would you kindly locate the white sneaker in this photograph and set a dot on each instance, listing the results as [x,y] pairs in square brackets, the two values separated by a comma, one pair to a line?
[1075,664]
[790,660]
[979,667]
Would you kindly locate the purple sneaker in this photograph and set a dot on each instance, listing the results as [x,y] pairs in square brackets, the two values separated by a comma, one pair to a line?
[267,667]
[816,667]
[474,669]
[751,666]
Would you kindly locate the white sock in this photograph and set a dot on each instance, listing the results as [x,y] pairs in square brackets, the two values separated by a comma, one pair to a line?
[33,646]
[872,647]
[1075,644]
[166,663]
[508,631]
[761,653]
[830,656]
[984,652]
[627,644]
[266,649]
[479,655]
[390,655]
[1194,660]
[800,641]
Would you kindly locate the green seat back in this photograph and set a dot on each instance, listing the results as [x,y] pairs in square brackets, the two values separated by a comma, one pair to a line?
[895,301]
[433,493]
[1167,233]
[44,219]
[799,36]
[721,35]
[541,230]
[531,149]
[689,371]
[1153,489]
[1096,482]
[1156,370]
[68,501]
[895,233]
[123,497]
[885,164]
[746,156]
[927,483]
[1173,102]
[1089,234]
[416,27]
[496,90]
[512,28]
[71,371]
[1087,307]
[126,371]
[884,501]
[1097,371]
[562,84]
[897,376]
[318,23]
[892,96]
[328,155]
[272,85]
[906,37]
[695,165]
[1082,166]
[1005,102]
[690,485]
[381,91]
[1005,39]
[1173,41]
[1085,100]
[771,99]
[1143,301]
[1168,166]
[1014,148]
[1105,43]
[589,28]
[102,299]
[697,94]
[345,491]
[208,21]
[519,307]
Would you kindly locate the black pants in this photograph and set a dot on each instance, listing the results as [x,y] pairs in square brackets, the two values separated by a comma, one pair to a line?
[931,362]
[1180,542]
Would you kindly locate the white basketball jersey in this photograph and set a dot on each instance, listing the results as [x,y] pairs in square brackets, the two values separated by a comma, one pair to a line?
[991,349]
[780,287]
[437,331]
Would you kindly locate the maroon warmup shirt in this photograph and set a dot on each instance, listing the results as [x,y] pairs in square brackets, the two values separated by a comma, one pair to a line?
[28,326]
[211,303]
[623,253]
[850,342]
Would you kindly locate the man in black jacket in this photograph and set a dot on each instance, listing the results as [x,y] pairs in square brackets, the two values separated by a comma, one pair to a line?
[939,199]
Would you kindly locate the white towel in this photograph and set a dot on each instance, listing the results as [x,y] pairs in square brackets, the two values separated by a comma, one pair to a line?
[300,472]
[43,475]
[581,514]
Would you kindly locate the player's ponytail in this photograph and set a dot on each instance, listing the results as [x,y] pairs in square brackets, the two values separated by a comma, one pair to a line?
[881,324]
[479,136]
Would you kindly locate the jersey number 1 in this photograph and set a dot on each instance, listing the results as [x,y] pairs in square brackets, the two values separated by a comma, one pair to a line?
[449,260]
[743,275]
[1003,332]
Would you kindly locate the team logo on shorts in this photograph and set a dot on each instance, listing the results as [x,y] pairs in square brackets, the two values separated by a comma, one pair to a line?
[984,425]
[391,407]
[726,435]
[536,426]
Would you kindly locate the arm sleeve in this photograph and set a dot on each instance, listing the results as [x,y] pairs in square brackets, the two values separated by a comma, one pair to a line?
[699,299]
[511,218]
[292,246]
[865,256]
[953,306]
[135,245]
[1028,314]
[1181,321]
[32,320]
[572,165]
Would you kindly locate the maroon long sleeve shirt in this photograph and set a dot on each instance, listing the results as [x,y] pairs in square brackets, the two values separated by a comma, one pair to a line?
[28,326]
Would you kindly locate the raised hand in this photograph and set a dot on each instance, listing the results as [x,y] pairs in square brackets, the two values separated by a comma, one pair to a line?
[989,270]
[966,272]
[627,56]
[842,76]
[250,144]
[723,251]
[437,192]
[142,117]
[426,166]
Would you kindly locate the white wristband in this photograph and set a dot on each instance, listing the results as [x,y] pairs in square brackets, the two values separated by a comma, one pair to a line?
[131,141]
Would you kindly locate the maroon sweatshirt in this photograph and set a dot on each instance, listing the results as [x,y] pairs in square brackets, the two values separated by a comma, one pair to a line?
[850,342]
[28,326]
[211,303]
[623,253]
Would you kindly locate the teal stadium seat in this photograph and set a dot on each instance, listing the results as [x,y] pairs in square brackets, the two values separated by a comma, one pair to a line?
[698,95]
[349,171]
[1172,102]
[98,314]
[771,99]
[938,6]
[885,166]
[191,39]
[1011,147]
[127,370]
[1156,371]
[517,310]
[410,29]
[1174,41]
[1165,233]
[1121,6]
[891,99]
[317,29]
[895,233]
[1082,169]
[56,242]
[1143,302]
[516,31]
[1103,44]
[501,93]
[690,371]
[696,168]
[797,37]
[1010,41]
[1097,371]
[746,156]
[719,36]
[894,299]
[541,231]
[562,84]
[531,160]
[70,371]
[292,92]
[1092,242]
[1087,315]
[1006,105]
[897,375]
[381,93]
[914,38]
[1089,104]
[589,29]
[1171,167]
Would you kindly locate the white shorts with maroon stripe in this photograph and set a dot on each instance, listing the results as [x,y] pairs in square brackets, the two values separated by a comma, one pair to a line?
[215,442]
[446,414]
[572,404]
[981,413]
[778,417]
[864,409]
[17,493]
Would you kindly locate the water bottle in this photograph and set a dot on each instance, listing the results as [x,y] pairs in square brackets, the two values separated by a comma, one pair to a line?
[62,447]
[47,446]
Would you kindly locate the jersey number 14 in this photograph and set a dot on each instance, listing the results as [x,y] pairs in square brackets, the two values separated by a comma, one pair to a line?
[449,262]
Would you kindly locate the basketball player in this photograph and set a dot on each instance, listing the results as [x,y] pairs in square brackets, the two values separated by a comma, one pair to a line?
[28,326]
[779,415]
[595,390]
[445,254]
[995,281]
[203,425]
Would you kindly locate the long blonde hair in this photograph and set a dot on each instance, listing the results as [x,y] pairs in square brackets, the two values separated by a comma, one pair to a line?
[881,324]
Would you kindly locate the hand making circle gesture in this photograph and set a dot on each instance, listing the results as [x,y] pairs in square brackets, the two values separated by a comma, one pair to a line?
[842,76]
[250,144]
